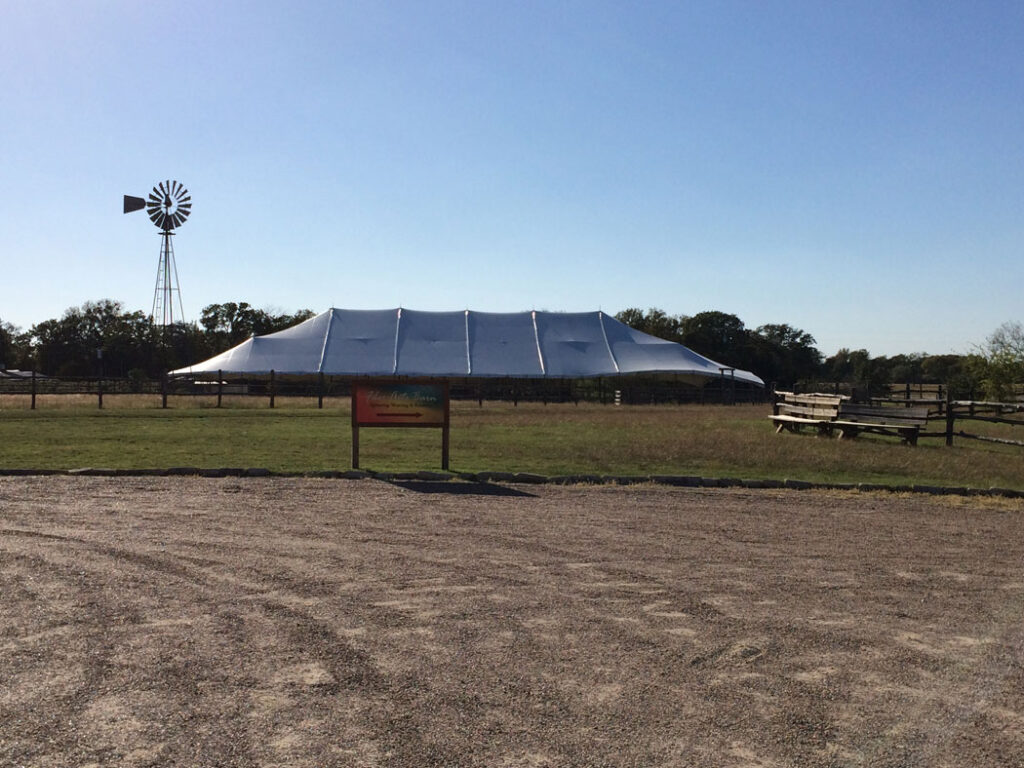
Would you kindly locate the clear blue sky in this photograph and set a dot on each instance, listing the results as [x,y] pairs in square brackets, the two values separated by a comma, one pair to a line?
[851,168]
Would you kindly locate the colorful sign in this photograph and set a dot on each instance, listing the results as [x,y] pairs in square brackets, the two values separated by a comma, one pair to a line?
[400,405]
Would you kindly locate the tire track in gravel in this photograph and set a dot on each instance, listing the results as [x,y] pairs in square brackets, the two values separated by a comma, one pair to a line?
[183,666]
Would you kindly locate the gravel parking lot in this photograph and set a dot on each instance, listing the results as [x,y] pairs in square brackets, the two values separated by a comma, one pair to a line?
[301,622]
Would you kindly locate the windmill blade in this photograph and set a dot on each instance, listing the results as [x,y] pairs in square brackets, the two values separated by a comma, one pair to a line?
[168,205]
[133,203]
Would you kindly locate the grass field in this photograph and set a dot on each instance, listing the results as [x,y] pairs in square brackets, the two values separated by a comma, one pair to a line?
[132,432]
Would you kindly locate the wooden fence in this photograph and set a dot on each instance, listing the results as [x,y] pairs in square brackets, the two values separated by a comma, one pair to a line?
[632,390]
[983,412]
[948,412]
[611,391]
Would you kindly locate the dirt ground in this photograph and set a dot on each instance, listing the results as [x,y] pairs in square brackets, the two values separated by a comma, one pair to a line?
[294,622]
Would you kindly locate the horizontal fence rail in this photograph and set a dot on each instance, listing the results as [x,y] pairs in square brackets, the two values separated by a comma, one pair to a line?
[630,390]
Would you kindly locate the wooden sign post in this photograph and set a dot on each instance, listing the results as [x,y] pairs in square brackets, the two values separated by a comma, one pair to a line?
[408,403]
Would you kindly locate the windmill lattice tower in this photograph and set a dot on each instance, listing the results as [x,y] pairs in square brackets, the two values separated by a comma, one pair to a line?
[168,205]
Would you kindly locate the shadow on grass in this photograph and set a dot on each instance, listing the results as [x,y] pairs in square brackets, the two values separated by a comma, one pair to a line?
[454,488]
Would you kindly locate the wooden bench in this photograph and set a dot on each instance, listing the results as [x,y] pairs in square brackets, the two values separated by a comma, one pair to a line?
[904,422]
[793,412]
[835,415]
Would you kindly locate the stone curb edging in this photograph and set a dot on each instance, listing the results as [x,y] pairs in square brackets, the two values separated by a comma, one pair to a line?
[681,481]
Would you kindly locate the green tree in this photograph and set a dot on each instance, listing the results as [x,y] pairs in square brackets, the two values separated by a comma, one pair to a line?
[958,372]
[69,346]
[906,369]
[1003,355]
[785,354]
[654,322]
[15,351]
[231,323]
[130,342]
[719,336]
[858,367]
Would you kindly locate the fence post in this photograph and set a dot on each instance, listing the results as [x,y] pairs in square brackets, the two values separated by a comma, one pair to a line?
[355,428]
[949,417]
[320,390]
[33,388]
[163,390]
[220,386]
[271,387]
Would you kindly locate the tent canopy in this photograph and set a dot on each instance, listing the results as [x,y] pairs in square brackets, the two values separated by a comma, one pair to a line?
[405,342]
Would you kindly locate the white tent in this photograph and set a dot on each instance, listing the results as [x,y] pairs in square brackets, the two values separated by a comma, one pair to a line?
[405,342]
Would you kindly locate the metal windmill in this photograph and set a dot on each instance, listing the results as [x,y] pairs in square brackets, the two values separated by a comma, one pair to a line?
[168,206]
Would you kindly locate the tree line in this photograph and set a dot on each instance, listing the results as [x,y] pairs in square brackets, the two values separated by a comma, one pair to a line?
[787,356]
[104,337]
